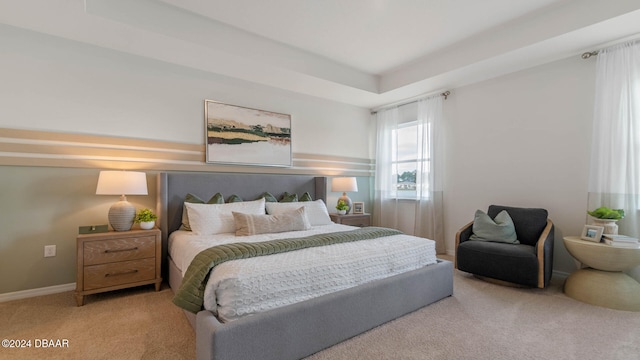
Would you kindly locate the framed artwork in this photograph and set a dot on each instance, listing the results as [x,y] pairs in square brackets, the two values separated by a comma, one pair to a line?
[592,233]
[244,136]
[358,208]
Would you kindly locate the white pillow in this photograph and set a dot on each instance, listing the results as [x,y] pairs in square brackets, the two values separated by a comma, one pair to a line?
[210,219]
[250,224]
[316,210]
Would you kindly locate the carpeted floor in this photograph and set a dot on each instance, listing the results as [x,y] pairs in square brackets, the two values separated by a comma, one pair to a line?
[136,323]
[488,321]
[480,321]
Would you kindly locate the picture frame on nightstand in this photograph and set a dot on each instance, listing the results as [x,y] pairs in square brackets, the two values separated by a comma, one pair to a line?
[592,233]
[358,207]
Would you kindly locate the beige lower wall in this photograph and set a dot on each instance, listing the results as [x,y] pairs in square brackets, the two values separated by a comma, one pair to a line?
[43,205]
[71,109]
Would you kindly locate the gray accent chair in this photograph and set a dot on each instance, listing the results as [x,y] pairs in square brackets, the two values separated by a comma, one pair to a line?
[529,263]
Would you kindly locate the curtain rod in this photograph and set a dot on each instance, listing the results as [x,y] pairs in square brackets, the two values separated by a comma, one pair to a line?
[445,93]
[631,38]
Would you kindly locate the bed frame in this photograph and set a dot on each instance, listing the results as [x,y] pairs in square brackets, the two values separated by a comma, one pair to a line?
[298,330]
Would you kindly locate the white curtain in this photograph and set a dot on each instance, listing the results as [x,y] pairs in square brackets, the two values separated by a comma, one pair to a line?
[423,207]
[614,179]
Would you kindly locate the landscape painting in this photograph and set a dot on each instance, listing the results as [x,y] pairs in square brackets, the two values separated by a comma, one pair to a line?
[240,135]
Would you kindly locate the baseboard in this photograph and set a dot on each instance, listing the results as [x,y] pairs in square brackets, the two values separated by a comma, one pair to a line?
[37,292]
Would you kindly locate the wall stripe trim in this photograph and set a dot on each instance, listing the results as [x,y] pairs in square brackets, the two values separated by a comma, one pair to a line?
[42,148]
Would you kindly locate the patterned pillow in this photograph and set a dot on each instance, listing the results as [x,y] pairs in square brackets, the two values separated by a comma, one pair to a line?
[248,224]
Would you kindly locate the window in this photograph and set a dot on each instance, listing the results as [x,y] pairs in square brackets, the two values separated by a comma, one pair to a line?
[407,160]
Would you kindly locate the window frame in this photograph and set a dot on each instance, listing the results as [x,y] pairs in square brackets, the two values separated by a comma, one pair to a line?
[395,162]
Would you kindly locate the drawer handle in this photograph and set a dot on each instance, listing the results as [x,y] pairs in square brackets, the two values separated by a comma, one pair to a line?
[121,273]
[120,250]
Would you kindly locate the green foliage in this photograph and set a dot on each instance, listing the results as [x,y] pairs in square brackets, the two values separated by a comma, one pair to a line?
[342,205]
[407,176]
[607,213]
[145,215]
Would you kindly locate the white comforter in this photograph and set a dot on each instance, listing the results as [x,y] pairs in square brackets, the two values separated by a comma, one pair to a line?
[242,287]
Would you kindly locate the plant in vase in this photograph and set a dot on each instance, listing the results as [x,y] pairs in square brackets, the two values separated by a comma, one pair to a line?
[342,207]
[606,217]
[146,218]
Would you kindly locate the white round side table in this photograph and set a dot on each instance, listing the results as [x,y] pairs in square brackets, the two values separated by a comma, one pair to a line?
[603,283]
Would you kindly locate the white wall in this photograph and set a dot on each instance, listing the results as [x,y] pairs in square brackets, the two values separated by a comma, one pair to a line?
[49,83]
[52,84]
[522,140]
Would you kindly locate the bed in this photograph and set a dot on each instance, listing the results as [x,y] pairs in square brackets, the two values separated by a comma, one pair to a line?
[302,328]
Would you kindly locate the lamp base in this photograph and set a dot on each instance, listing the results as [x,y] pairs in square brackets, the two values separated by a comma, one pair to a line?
[346,199]
[121,215]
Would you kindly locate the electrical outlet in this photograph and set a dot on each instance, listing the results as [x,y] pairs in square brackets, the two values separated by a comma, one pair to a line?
[49,250]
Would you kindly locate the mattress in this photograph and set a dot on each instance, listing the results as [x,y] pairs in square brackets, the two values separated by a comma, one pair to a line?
[244,287]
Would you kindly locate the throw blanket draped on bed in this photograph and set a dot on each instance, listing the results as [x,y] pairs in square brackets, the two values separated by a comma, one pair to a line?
[191,292]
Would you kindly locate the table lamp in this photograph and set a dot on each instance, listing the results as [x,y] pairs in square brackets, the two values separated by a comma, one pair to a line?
[122,213]
[344,184]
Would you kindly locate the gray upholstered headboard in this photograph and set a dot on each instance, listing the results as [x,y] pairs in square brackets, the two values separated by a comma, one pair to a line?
[173,187]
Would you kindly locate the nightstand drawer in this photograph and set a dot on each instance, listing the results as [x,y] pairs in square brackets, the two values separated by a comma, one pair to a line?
[361,220]
[99,276]
[108,251]
[356,221]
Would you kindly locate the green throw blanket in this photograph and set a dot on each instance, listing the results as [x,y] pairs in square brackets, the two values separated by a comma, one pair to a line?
[191,292]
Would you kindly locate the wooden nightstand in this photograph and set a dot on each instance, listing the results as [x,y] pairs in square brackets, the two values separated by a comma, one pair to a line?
[117,260]
[352,219]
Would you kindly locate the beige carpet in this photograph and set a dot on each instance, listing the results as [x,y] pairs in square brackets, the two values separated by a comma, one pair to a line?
[134,323]
[481,321]
[488,321]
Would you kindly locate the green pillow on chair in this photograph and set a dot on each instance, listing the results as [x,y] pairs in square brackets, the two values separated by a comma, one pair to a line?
[500,229]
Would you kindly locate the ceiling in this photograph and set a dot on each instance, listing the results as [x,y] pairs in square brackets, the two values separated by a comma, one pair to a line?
[361,52]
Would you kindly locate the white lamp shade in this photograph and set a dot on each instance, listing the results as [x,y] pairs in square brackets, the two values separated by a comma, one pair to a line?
[122,213]
[122,183]
[344,184]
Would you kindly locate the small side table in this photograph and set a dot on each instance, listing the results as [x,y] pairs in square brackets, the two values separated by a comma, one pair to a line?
[361,220]
[116,260]
[603,283]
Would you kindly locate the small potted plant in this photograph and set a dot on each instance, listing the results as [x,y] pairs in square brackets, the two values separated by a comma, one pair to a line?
[607,218]
[146,218]
[342,207]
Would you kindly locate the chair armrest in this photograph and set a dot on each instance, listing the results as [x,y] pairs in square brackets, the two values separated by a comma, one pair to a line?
[461,236]
[544,252]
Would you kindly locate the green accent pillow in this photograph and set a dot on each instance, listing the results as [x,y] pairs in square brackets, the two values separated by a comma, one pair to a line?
[306,197]
[190,198]
[267,197]
[215,199]
[500,229]
[286,197]
[234,199]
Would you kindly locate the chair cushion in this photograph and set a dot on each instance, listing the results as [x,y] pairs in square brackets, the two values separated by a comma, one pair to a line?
[500,229]
[529,222]
[516,263]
